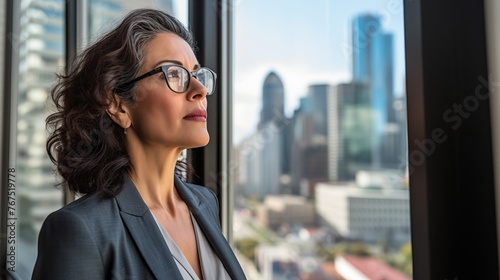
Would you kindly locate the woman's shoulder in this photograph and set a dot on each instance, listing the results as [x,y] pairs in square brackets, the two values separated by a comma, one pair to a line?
[208,197]
[202,192]
[90,207]
[88,202]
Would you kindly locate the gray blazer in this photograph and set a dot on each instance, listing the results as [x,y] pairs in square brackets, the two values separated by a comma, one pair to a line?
[118,238]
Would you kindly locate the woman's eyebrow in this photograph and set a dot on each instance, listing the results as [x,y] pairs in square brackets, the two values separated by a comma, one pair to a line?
[196,66]
[170,61]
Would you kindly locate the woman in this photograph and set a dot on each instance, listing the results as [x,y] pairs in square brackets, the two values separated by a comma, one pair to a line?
[135,100]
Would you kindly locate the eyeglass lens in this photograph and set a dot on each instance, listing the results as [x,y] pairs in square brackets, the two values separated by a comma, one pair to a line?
[178,79]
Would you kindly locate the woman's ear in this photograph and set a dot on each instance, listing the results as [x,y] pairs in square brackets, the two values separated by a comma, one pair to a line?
[118,111]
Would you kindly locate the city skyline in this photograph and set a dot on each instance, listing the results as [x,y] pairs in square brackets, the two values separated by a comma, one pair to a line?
[318,52]
[343,153]
[338,129]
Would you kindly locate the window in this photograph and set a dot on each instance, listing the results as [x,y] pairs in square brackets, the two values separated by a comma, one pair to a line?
[38,53]
[103,14]
[319,122]
[41,39]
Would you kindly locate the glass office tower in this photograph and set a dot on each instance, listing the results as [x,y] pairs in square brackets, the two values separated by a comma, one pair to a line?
[372,65]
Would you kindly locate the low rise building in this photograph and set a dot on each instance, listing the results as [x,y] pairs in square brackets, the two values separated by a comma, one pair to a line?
[278,210]
[366,268]
[365,212]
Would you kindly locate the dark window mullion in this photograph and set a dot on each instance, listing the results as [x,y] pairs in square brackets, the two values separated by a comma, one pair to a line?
[8,119]
[71,47]
[210,22]
[451,175]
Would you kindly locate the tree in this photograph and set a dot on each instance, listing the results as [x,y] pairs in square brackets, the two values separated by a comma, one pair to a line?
[246,246]
[407,262]
[327,253]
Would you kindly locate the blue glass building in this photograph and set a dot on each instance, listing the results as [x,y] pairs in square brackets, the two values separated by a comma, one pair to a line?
[372,51]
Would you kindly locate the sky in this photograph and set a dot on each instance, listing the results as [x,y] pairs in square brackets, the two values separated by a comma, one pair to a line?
[304,42]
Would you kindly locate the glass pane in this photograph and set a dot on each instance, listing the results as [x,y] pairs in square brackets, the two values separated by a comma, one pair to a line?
[39,48]
[319,135]
[104,14]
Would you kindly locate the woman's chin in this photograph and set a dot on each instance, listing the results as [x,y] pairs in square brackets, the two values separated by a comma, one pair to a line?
[206,141]
[200,142]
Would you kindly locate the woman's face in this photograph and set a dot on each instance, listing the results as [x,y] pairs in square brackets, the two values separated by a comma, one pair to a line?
[161,117]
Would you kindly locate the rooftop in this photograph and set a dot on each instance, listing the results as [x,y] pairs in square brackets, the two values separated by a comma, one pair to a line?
[375,269]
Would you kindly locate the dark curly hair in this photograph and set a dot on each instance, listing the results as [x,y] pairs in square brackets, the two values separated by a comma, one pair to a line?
[87,147]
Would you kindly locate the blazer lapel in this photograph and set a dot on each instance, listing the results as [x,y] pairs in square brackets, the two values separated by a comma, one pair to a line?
[145,233]
[211,230]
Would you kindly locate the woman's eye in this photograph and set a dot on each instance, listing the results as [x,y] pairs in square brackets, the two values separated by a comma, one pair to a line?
[173,74]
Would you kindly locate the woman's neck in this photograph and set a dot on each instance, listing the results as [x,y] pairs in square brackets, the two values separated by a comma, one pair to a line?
[153,172]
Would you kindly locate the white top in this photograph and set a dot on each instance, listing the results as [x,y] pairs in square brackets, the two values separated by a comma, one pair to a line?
[211,266]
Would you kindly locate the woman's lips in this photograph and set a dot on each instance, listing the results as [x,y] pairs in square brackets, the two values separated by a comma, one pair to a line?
[197,116]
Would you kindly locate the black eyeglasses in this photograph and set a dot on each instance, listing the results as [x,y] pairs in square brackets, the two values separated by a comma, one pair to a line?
[178,78]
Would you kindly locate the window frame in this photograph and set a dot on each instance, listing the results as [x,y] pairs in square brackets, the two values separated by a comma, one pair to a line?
[451,202]
[210,22]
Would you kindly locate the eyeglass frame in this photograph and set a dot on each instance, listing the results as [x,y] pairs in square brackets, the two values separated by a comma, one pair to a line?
[159,69]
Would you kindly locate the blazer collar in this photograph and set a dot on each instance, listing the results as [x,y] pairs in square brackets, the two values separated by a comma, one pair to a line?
[145,233]
[210,228]
[192,201]
[128,199]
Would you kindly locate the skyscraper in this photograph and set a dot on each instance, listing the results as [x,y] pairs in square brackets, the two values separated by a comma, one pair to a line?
[301,135]
[373,66]
[260,158]
[273,99]
[318,95]
[308,154]
[394,149]
[349,131]
[273,96]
